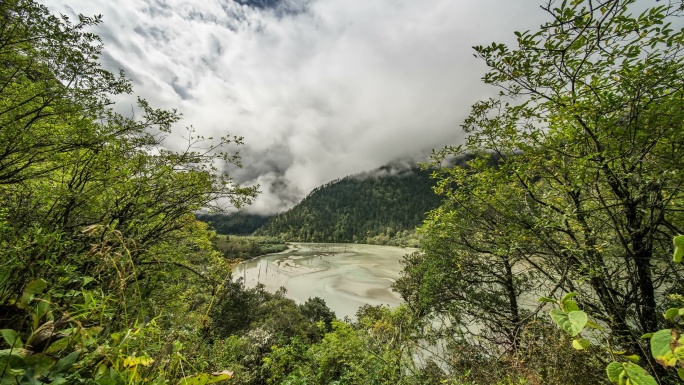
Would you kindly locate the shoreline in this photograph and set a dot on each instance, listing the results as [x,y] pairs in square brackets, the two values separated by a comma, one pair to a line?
[346,276]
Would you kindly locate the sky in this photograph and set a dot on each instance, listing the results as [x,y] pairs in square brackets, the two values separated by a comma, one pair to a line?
[319,89]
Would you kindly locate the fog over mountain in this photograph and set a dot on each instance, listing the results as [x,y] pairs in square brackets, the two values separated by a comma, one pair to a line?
[319,89]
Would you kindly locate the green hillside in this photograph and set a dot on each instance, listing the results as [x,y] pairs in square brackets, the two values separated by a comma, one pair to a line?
[237,223]
[382,206]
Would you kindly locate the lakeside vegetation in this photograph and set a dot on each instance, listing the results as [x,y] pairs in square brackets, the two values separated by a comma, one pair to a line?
[237,223]
[106,277]
[246,247]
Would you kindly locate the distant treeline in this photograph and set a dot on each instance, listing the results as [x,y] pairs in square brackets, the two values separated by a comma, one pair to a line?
[382,206]
[238,223]
[235,247]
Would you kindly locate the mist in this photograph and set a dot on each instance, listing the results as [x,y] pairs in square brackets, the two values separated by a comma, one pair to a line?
[319,89]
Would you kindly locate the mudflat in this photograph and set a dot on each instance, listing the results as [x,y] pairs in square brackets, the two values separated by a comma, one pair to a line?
[346,276]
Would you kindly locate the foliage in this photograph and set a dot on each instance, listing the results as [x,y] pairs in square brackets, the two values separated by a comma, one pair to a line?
[570,182]
[576,181]
[371,351]
[237,223]
[379,207]
[260,335]
[105,273]
[316,310]
[271,316]
[246,247]
[74,347]
[666,345]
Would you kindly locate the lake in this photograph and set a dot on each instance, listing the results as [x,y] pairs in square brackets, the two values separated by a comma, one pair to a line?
[345,275]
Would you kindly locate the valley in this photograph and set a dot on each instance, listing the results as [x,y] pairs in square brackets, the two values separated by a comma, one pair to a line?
[136,248]
[346,276]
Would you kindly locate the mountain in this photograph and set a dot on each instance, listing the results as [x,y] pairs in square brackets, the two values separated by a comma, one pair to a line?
[381,206]
[238,223]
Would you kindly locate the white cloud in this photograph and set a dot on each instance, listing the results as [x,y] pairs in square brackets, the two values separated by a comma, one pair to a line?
[341,88]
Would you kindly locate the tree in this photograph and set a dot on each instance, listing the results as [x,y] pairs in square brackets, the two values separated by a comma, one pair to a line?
[578,178]
[371,207]
[73,168]
[97,229]
[316,310]
[88,195]
[50,78]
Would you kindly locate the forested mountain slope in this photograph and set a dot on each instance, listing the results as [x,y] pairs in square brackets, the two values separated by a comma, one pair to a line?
[371,207]
[237,223]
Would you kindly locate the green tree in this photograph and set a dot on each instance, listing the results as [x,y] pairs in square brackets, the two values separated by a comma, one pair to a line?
[97,220]
[316,310]
[370,207]
[578,176]
[50,78]
[73,168]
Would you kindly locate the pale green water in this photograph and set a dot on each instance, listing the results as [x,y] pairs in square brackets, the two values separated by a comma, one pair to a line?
[346,276]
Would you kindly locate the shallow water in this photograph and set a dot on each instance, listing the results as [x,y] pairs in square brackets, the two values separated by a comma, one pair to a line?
[346,276]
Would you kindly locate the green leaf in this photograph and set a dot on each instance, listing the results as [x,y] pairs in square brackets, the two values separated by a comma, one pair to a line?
[678,254]
[671,313]
[679,248]
[65,363]
[633,357]
[678,241]
[13,358]
[572,322]
[40,310]
[29,378]
[570,305]
[547,299]
[58,381]
[580,344]
[678,351]
[594,325]
[111,377]
[647,336]
[660,348]
[680,372]
[32,289]
[614,369]
[206,378]
[41,363]
[638,375]
[568,296]
[12,338]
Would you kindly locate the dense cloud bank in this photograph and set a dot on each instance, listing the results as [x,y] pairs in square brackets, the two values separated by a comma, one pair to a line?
[319,89]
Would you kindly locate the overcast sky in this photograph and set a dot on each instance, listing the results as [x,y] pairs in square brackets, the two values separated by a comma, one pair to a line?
[319,89]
